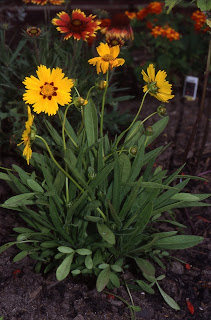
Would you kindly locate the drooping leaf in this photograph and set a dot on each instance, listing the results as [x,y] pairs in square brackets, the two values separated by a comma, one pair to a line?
[103,279]
[106,233]
[168,299]
[178,242]
[64,269]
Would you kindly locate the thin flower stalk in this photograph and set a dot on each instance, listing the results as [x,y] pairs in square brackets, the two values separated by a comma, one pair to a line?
[103,105]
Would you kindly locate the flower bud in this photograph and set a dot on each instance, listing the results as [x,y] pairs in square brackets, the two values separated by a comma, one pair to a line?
[149,131]
[161,110]
[33,133]
[133,150]
[33,31]
[75,82]
[79,102]
[101,85]
[91,173]
[152,87]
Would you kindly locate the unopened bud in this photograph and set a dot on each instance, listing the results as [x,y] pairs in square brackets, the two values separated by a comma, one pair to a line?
[133,150]
[33,133]
[75,82]
[91,173]
[79,102]
[101,85]
[149,131]
[161,110]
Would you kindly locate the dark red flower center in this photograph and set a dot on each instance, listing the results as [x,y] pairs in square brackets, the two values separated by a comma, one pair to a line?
[48,90]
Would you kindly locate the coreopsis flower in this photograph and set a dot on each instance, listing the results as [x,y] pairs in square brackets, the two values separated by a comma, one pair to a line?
[120,27]
[114,41]
[33,31]
[155,7]
[107,58]
[48,91]
[156,84]
[27,137]
[104,24]
[39,2]
[56,2]
[78,26]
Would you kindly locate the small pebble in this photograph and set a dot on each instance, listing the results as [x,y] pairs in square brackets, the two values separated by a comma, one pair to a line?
[177,268]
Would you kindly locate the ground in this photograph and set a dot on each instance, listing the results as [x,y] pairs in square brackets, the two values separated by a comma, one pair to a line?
[25,295]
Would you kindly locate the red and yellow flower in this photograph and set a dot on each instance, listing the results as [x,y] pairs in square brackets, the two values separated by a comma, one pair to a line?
[78,26]
[155,7]
[131,15]
[120,27]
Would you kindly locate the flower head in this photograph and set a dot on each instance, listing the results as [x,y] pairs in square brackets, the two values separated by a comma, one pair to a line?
[78,26]
[108,58]
[33,31]
[114,41]
[156,84]
[131,15]
[120,27]
[155,7]
[199,19]
[47,91]
[42,2]
[26,136]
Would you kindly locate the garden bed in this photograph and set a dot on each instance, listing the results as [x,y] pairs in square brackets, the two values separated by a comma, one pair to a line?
[26,295]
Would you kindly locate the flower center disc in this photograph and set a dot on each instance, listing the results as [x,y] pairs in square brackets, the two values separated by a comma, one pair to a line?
[76,22]
[47,90]
[108,57]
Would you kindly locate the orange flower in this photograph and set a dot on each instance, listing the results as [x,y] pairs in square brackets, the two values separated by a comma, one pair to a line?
[200,19]
[78,26]
[42,2]
[155,7]
[141,14]
[166,32]
[131,15]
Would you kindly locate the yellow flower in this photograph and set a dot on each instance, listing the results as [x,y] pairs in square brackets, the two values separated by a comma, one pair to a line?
[47,91]
[26,137]
[108,58]
[158,86]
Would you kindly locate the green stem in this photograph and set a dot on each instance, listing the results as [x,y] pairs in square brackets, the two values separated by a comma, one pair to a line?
[77,91]
[123,300]
[87,97]
[67,175]
[149,117]
[132,123]
[103,105]
[58,165]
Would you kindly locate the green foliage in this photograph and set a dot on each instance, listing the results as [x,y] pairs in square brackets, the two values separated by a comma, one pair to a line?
[91,205]
[99,214]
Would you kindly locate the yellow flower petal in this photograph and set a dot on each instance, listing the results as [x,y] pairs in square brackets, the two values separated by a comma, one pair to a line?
[103,49]
[114,51]
[151,72]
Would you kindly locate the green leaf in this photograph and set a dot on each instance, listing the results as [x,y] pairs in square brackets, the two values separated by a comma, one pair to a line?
[19,199]
[182,196]
[106,233]
[125,167]
[204,5]
[168,299]
[171,3]
[103,279]
[64,249]
[145,266]
[83,252]
[88,262]
[114,279]
[34,186]
[103,266]
[21,255]
[116,268]
[178,242]
[4,176]
[147,288]
[91,122]
[100,177]
[64,269]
